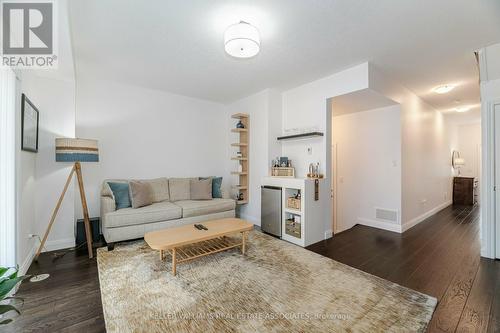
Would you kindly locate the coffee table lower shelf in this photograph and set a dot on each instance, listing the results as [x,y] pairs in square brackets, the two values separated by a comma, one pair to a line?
[203,248]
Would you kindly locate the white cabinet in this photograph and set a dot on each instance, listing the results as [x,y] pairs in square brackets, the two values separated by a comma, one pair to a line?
[302,225]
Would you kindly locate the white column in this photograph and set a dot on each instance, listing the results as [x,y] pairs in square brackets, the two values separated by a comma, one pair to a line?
[7,168]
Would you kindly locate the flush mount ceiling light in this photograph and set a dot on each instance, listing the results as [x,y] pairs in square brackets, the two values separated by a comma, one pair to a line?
[242,40]
[462,109]
[444,89]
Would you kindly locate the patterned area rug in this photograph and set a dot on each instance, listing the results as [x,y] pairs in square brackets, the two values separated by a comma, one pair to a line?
[275,287]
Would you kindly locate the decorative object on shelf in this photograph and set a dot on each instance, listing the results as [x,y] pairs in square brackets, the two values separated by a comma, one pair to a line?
[456,161]
[283,161]
[283,172]
[242,40]
[300,136]
[29,125]
[242,156]
[240,124]
[292,228]
[293,203]
[314,171]
[76,151]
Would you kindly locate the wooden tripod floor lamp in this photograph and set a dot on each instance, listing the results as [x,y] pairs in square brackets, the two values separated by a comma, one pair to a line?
[76,151]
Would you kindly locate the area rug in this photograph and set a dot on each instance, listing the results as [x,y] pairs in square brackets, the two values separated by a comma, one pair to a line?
[275,287]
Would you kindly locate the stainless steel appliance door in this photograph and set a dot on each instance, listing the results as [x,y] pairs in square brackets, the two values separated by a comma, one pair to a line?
[271,210]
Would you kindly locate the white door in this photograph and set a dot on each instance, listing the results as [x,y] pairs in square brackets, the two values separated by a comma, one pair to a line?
[497,179]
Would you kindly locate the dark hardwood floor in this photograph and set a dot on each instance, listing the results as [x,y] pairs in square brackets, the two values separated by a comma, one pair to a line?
[69,301]
[439,257]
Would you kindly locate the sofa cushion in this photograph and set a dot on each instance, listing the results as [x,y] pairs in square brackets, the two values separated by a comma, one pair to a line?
[179,188]
[120,194]
[201,189]
[196,208]
[216,186]
[159,189]
[161,211]
[140,194]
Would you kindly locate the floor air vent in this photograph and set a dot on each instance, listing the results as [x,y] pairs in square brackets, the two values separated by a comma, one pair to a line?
[386,215]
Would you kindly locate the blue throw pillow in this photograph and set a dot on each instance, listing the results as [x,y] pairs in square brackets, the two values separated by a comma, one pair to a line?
[121,193]
[216,186]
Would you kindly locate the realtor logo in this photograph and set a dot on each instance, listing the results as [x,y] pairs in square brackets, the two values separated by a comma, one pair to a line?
[28,34]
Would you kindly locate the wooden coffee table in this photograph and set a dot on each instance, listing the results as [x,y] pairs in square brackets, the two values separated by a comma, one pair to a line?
[180,240]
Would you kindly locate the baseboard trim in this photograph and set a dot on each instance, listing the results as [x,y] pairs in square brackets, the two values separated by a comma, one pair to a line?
[59,244]
[249,218]
[379,224]
[413,222]
[23,268]
[328,234]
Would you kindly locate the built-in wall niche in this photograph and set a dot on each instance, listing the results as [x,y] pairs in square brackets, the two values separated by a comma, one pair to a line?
[293,224]
[241,157]
[293,199]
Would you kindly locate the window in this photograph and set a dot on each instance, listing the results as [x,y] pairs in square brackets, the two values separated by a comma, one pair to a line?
[7,167]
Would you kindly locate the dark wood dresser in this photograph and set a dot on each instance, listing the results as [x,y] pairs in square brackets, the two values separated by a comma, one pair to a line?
[465,190]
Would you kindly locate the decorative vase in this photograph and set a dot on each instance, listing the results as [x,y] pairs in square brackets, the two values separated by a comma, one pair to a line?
[240,125]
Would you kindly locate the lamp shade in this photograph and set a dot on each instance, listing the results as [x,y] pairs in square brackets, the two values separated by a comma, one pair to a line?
[242,40]
[459,161]
[76,150]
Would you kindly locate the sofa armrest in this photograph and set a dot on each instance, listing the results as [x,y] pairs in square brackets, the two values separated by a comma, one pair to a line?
[107,206]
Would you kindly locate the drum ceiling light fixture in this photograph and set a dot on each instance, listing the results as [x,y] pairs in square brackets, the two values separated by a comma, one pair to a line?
[242,40]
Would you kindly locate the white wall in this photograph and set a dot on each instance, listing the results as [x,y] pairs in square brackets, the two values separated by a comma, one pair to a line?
[306,106]
[257,106]
[469,144]
[39,178]
[426,152]
[309,106]
[146,133]
[489,66]
[368,167]
[26,188]
[55,101]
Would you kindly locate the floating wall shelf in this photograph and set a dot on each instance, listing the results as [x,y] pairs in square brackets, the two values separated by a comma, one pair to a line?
[300,136]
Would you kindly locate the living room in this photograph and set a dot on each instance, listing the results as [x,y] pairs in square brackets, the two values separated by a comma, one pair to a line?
[172,118]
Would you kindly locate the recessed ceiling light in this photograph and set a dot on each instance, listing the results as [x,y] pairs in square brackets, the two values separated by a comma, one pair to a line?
[462,109]
[242,40]
[444,89]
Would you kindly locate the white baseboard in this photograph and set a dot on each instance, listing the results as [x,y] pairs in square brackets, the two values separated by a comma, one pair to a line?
[413,222]
[379,224]
[59,244]
[328,234]
[25,265]
[249,218]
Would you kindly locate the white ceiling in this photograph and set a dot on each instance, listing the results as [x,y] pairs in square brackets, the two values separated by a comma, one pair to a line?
[177,46]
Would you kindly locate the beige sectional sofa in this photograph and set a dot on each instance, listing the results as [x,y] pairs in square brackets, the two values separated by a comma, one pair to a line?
[171,207]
